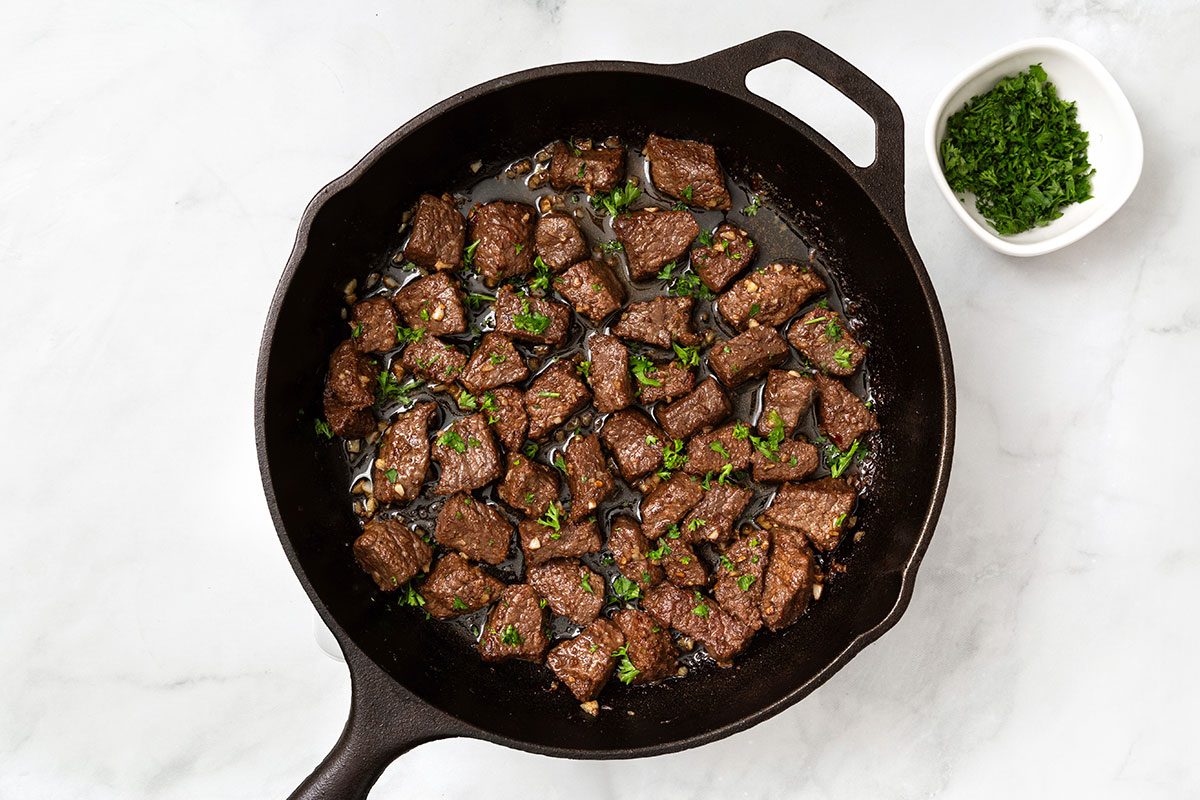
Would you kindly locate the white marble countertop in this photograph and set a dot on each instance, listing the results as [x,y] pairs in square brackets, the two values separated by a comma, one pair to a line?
[155,160]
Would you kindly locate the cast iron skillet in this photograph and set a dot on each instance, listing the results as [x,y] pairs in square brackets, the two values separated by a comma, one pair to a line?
[413,683]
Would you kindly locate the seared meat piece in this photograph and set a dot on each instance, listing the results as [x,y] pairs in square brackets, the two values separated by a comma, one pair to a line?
[653,237]
[504,231]
[729,251]
[571,589]
[789,580]
[659,322]
[695,615]
[391,553]
[739,586]
[541,543]
[584,663]
[687,171]
[609,373]
[842,415]
[474,528]
[818,509]
[794,461]
[516,627]
[434,303]
[374,324]
[786,398]
[437,234]
[455,587]
[629,548]
[822,337]
[346,421]
[667,504]
[528,486]
[634,441]
[769,295]
[531,319]
[747,356]
[703,408]
[592,288]
[351,376]
[553,397]
[559,241]
[648,646]
[495,362]
[713,451]
[713,517]
[511,420]
[682,566]
[467,454]
[433,360]
[403,457]
[666,382]
[588,478]
[596,171]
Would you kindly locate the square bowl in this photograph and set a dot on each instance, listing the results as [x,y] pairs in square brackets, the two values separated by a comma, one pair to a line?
[1114,140]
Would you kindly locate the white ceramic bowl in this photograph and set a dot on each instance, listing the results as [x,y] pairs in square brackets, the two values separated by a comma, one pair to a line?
[1114,140]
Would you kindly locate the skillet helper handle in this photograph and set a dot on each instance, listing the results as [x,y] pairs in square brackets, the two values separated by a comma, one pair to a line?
[884,177]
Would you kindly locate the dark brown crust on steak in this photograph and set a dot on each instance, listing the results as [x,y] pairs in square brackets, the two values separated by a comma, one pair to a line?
[718,263]
[748,355]
[770,295]
[820,336]
[559,241]
[405,449]
[495,362]
[434,303]
[519,608]
[700,410]
[571,589]
[584,663]
[476,466]
[474,528]
[391,553]
[659,322]
[652,238]
[504,231]
[603,169]
[842,415]
[612,386]
[687,170]
[438,234]
[455,587]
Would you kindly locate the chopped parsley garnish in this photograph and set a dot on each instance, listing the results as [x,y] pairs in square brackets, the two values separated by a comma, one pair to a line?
[425,313]
[769,446]
[496,359]
[582,169]
[673,531]
[842,357]
[755,204]
[741,431]
[687,193]
[700,609]
[530,321]
[719,449]
[518,247]
[511,636]
[626,671]
[321,427]
[668,269]
[661,550]
[688,284]
[408,335]
[356,331]
[837,523]
[696,524]
[475,300]
[612,247]
[839,461]
[457,604]
[469,254]
[466,401]
[618,200]
[673,458]
[559,463]
[411,597]
[625,590]
[640,365]
[705,238]
[585,581]
[551,518]
[541,278]
[390,390]
[549,394]
[688,356]
[488,404]
[392,475]
[755,308]
[452,440]
[584,368]
[745,582]
[530,449]
[651,439]
[833,331]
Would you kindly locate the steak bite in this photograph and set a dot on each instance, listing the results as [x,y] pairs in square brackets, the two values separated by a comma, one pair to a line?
[609,373]
[588,478]
[667,504]
[504,231]
[653,237]
[584,663]
[703,408]
[713,517]
[700,617]
[403,457]
[571,589]
[648,647]
[747,356]
[739,585]
[822,337]
[818,509]
[531,319]
[438,234]
[344,420]
[528,486]
[433,360]
[596,171]
[793,461]
[786,397]
[665,382]
[659,322]
[516,627]
[843,416]
[351,377]
[507,415]
[592,288]
[559,241]
[495,362]
[542,542]
[712,452]
[553,396]
[391,553]
[728,251]
[629,549]
[434,303]
[770,295]
[467,454]
[688,171]
[474,528]
[373,323]
[455,587]
[634,441]
[788,584]
[682,566]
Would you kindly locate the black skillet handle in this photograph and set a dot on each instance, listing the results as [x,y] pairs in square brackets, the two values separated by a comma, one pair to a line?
[884,178]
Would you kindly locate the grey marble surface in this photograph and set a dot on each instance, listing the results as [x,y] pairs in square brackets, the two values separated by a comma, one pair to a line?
[153,640]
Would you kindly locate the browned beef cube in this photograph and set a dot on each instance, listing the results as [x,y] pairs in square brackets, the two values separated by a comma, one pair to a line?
[715,450]
[555,395]
[559,241]
[571,589]
[634,441]
[528,486]
[467,454]
[504,231]
[541,543]
[713,517]
[818,509]
[584,663]
[609,373]
[787,397]
[531,319]
[769,295]
[648,646]
[653,237]
[747,356]
[433,360]
[596,170]
[794,461]
[843,416]
[516,627]
[456,587]
[588,478]
[682,566]
[351,377]
[403,457]
[687,171]
[629,548]
[729,251]
[495,362]
[666,382]
[346,421]
[739,585]
[373,324]
[822,337]
[592,288]
[667,503]
[391,553]
[508,416]
[434,303]
[474,528]
[700,617]
[659,322]
[701,410]
[437,234]
[788,584]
